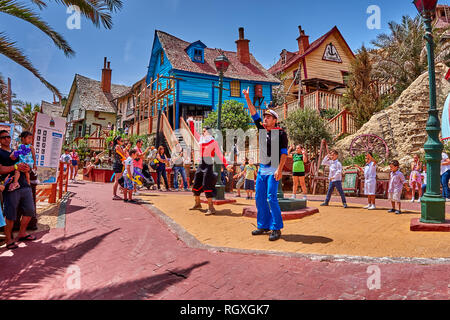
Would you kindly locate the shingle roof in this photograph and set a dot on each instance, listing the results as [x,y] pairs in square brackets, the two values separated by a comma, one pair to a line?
[279,66]
[174,49]
[53,110]
[92,98]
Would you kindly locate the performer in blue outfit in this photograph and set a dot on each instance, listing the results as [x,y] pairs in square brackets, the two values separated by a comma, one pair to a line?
[273,144]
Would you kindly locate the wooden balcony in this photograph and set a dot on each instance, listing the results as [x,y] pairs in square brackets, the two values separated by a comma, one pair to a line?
[342,124]
[320,100]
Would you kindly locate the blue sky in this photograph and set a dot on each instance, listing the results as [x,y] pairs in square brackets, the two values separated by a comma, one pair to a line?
[270,26]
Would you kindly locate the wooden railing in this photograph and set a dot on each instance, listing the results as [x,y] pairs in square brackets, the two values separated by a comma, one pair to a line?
[251,154]
[320,100]
[190,141]
[342,124]
[95,144]
[166,129]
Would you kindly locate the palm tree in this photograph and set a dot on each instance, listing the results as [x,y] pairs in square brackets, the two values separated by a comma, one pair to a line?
[401,56]
[24,115]
[98,11]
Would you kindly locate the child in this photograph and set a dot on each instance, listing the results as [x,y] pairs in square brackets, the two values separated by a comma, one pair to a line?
[424,179]
[26,154]
[128,185]
[240,178]
[298,170]
[370,180]
[396,183]
[250,177]
[335,177]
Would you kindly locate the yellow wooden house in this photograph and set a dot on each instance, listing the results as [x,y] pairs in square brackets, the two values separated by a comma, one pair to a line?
[317,72]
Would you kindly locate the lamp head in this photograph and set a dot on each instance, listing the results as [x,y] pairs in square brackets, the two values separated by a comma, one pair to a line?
[222,63]
[425,6]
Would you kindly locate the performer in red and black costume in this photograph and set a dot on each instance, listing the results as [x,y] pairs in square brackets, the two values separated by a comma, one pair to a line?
[205,178]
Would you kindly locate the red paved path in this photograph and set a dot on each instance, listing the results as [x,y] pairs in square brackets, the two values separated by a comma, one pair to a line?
[125,252]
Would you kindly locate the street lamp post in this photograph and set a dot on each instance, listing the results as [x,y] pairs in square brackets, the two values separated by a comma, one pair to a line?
[433,205]
[222,64]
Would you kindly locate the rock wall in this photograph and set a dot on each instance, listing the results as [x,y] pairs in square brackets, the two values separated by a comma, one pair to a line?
[402,125]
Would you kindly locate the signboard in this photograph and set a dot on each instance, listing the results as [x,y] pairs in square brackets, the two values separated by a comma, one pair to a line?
[331,54]
[350,182]
[48,141]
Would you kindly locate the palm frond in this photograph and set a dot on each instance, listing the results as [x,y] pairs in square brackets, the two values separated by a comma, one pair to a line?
[9,49]
[95,10]
[20,11]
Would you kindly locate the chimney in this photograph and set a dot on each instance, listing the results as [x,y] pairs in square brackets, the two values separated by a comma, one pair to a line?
[243,51]
[303,41]
[106,77]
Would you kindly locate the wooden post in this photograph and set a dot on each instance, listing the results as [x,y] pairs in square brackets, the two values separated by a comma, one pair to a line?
[52,198]
[60,179]
[344,122]
[318,101]
[10,101]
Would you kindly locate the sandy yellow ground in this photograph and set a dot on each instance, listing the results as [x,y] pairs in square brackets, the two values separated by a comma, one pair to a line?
[334,231]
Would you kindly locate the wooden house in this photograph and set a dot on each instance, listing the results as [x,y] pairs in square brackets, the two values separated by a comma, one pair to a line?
[127,112]
[187,70]
[90,106]
[54,109]
[315,75]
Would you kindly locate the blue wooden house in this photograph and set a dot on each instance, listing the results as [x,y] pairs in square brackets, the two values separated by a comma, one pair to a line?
[193,62]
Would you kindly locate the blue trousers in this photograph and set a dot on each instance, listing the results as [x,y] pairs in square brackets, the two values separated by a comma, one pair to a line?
[444,181]
[338,186]
[182,171]
[269,212]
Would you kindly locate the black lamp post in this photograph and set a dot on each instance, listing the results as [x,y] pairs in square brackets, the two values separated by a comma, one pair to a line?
[433,205]
[222,63]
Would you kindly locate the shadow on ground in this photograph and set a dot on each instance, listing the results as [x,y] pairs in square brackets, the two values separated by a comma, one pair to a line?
[305,239]
[140,289]
[32,264]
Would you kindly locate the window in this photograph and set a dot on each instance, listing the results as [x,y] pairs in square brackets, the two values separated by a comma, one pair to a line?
[235,88]
[198,55]
[161,60]
[345,77]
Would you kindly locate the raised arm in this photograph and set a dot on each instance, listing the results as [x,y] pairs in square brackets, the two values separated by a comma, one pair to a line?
[250,105]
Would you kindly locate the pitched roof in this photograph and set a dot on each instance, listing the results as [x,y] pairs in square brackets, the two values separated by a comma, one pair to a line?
[53,110]
[294,57]
[92,98]
[174,49]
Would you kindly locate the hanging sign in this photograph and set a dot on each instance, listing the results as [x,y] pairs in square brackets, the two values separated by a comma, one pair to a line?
[331,54]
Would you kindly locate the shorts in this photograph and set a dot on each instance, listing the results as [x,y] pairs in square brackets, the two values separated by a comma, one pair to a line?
[298,174]
[205,181]
[118,168]
[74,163]
[395,196]
[249,185]
[370,187]
[20,198]
[128,184]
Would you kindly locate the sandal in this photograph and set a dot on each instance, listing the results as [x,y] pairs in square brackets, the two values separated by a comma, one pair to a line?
[28,238]
[12,246]
[117,198]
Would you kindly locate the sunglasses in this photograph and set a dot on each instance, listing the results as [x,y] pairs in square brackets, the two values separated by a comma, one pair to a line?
[5,137]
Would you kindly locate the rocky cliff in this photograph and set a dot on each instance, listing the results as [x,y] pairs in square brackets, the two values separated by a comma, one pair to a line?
[402,125]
